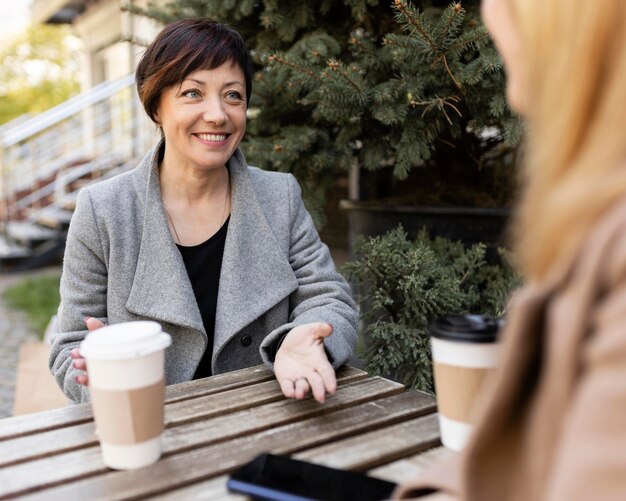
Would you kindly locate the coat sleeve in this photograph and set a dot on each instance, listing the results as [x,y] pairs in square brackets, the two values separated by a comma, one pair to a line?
[589,462]
[322,295]
[83,294]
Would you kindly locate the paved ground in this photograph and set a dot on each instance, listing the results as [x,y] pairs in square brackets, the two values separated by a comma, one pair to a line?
[14,330]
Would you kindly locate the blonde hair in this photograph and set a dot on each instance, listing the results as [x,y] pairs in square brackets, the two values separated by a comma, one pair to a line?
[575,104]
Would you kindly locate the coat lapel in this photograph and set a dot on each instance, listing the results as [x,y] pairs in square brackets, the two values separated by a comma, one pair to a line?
[161,288]
[256,274]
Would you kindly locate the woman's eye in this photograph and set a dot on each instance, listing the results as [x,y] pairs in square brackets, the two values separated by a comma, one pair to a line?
[234,95]
[192,93]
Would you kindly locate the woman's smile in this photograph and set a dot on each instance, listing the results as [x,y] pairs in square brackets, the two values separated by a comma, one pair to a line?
[212,139]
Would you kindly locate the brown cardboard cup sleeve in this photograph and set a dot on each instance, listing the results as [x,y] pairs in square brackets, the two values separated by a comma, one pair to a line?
[127,417]
[457,388]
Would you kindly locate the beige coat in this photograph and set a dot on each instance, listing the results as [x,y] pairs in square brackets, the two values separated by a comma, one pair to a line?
[554,424]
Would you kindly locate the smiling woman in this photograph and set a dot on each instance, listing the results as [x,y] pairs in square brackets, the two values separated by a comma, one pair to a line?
[223,255]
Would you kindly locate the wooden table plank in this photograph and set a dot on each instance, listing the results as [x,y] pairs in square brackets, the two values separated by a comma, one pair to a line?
[85,462]
[206,462]
[208,404]
[377,447]
[214,489]
[27,424]
[355,453]
[47,443]
[409,467]
[218,383]
[237,379]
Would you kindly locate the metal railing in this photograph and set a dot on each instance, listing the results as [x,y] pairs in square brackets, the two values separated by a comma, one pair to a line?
[99,130]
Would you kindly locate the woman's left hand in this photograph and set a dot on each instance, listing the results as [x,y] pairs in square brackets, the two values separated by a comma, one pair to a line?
[301,363]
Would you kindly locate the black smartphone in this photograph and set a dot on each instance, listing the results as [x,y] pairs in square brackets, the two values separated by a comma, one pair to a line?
[280,478]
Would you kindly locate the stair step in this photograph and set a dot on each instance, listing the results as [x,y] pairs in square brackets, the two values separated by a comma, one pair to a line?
[52,217]
[68,201]
[28,233]
[10,250]
[81,183]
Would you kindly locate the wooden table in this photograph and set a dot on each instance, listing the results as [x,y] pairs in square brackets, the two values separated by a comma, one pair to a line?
[213,426]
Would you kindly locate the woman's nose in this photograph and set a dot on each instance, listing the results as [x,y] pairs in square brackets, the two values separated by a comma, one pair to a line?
[214,111]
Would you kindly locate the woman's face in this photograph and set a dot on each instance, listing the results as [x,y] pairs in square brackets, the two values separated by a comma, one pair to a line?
[499,21]
[204,119]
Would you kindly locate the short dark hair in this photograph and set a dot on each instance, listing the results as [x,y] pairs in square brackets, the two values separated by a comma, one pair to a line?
[186,46]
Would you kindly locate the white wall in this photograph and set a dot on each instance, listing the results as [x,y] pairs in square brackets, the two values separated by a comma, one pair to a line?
[103,28]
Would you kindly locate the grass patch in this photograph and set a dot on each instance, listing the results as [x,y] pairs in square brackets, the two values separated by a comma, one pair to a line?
[37,297]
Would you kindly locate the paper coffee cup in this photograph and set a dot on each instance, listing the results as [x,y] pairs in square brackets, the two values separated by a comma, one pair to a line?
[464,351]
[125,364]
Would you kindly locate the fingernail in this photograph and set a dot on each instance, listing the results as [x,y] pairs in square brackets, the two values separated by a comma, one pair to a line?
[86,318]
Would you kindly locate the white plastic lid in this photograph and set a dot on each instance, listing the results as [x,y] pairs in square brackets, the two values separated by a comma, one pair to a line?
[125,340]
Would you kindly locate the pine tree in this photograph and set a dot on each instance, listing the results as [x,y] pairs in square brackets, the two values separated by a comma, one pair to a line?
[395,87]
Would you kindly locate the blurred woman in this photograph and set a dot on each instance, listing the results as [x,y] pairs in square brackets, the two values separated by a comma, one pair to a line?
[554,423]
[223,255]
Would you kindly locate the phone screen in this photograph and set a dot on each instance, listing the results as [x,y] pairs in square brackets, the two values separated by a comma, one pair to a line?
[280,478]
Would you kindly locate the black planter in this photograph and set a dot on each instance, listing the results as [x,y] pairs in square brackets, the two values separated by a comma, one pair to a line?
[469,225]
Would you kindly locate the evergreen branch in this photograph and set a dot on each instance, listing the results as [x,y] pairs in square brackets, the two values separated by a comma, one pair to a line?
[401,6]
[457,10]
[336,67]
[358,44]
[470,269]
[380,282]
[454,80]
[396,41]
[302,69]
[447,143]
[440,103]
[135,41]
[260,95]
[159,16]
[478,35]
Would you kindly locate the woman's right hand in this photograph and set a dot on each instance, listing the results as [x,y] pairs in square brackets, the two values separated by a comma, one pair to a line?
[79,362]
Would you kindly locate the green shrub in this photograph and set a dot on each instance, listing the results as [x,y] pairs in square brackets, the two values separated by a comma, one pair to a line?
[403,286]
[38,297]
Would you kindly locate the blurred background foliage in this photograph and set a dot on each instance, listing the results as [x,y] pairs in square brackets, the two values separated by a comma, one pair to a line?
[39,70]
[38,297]
[404,285]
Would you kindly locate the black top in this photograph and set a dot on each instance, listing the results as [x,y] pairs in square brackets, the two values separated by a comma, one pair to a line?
[204,263]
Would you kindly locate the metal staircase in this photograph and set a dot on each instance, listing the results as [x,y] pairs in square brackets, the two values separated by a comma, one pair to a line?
[46,159]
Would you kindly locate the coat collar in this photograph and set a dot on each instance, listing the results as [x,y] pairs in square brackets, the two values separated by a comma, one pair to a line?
[160,268]
[255,275]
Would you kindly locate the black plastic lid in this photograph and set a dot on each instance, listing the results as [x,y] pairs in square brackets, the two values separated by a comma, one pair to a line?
[466,328]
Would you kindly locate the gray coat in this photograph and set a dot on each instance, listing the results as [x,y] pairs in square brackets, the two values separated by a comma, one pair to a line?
[122,264]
